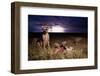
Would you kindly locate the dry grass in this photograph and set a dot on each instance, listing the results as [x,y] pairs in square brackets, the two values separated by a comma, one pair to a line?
[76,47]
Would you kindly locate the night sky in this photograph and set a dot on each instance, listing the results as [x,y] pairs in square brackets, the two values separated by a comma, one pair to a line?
[67,23]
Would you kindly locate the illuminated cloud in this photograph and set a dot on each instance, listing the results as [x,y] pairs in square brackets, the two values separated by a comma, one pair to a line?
[56,29]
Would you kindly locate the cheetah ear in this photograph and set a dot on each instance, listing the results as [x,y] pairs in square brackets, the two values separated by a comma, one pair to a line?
[42,26]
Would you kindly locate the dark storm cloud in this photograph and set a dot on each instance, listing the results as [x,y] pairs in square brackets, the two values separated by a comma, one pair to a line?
[70,24]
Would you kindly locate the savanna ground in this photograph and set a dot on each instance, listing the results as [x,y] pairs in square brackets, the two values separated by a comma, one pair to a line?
[76,46]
